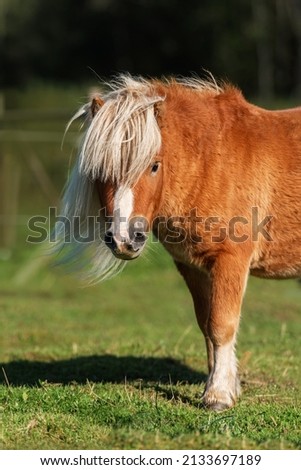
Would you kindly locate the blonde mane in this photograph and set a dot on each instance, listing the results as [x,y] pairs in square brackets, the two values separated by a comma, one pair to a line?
[120,142]
[123,136]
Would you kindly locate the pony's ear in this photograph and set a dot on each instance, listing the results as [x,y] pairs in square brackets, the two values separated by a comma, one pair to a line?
[158,111]
[96,104]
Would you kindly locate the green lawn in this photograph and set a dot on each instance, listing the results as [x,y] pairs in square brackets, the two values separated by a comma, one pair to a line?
[122,365]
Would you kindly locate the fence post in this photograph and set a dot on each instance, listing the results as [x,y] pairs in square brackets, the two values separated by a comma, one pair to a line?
[10,185]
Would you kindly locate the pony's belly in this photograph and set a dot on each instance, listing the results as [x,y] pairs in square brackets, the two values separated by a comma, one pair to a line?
[288,273]
[282,264]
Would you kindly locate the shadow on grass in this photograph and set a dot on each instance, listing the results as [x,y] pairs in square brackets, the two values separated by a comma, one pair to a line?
[105,369]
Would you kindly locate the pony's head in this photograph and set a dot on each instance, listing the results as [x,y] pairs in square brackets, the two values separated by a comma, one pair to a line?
[114,189]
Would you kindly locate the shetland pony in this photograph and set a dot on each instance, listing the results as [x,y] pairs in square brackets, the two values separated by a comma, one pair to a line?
[218,181]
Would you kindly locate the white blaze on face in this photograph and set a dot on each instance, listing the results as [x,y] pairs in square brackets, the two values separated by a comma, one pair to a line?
[123,207]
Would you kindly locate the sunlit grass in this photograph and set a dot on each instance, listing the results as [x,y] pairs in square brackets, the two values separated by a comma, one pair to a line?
[122,364]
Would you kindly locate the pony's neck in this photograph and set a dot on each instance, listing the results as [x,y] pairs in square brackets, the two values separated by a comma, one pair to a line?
[190,139]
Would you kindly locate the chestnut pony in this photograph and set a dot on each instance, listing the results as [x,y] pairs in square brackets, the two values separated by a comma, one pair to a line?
[216,179]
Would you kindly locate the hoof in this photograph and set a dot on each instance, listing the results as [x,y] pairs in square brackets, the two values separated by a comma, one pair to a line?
[217,406]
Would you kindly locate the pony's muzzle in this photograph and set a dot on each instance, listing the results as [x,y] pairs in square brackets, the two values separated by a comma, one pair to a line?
[126,247]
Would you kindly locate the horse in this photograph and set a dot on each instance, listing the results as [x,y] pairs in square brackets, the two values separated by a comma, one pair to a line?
[215,178]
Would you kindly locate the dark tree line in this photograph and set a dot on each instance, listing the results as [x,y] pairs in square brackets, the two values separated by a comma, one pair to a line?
[253,43]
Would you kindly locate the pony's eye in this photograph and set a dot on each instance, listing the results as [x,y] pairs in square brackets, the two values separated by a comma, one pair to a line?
[154,167]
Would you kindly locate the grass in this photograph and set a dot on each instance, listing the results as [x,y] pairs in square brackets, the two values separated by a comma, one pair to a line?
[122,365]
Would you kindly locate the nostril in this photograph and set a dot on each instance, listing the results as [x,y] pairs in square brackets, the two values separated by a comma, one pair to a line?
[139,237]
[109,240]
[109,236]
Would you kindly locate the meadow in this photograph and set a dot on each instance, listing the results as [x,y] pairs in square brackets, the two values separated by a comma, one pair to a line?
[122,365]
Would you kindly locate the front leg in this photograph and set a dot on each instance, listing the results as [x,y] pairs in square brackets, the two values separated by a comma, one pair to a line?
[199,284]
[228,281]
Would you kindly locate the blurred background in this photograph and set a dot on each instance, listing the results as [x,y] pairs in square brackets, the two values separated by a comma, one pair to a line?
[53,52]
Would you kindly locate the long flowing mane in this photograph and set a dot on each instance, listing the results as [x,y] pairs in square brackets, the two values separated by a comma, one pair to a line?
[119,143]
[123,136]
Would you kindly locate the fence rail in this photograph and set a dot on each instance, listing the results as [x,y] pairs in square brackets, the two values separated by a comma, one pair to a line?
[12,135]
[34,114]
